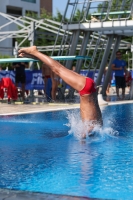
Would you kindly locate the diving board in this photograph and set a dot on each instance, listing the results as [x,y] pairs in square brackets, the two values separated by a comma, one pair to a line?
[71,57]
[10,60]
[112,13]
[121,27]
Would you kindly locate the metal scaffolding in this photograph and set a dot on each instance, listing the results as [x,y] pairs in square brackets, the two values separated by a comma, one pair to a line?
[97,28]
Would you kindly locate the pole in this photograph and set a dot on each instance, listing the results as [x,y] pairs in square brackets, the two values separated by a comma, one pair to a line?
[108,74]
[104,59]
[132,54]
[15,52]
[31,39]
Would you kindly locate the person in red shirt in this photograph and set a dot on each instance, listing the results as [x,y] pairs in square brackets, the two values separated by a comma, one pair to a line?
[128,79]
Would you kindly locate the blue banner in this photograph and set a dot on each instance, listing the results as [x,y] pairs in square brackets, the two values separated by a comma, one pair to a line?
[35,81]
[34,78]
[94,75]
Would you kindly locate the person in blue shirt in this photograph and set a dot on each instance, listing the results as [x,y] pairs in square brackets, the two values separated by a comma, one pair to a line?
[119,67]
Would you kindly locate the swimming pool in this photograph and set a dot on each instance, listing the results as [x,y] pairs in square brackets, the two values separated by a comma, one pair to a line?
[40,153]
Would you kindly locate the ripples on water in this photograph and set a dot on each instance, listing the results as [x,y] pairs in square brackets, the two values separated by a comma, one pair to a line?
[45,153]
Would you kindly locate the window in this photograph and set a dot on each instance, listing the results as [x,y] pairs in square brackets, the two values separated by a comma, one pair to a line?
[15,11]
[31,13]
[31,1]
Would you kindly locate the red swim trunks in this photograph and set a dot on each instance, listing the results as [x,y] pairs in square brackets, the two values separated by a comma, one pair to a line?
[88,88]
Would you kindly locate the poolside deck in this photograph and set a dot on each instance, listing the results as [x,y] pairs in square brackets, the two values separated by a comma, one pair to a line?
[19,108]
[21,195]
[12,109]
[39,106]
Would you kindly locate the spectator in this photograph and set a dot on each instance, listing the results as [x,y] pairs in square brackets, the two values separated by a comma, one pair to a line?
[46,75]
[128,79]
[119,67]
[11,90]
[55,83]
[20,76]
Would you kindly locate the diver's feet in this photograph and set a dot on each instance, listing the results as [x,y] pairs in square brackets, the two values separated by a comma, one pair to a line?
[28,52]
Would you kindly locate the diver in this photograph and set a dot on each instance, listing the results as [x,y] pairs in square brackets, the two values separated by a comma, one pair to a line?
[89,108]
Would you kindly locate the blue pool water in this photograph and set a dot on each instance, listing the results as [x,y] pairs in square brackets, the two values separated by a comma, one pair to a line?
[42,152]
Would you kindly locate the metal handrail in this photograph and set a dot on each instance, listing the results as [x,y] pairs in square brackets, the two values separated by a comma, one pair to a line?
[106,10]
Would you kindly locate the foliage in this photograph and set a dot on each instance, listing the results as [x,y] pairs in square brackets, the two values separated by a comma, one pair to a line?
[117,5]
[5,65]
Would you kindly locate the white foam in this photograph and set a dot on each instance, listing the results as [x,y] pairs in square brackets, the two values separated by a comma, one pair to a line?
[77,128]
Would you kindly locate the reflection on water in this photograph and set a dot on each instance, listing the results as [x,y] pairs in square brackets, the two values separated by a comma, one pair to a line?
[44,152]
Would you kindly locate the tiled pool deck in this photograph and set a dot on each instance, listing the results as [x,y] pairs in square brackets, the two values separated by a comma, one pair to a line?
[11,109]
[22,195]
[7,109]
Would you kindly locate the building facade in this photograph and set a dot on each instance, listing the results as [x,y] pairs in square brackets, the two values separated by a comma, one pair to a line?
[17,8]
[47,5]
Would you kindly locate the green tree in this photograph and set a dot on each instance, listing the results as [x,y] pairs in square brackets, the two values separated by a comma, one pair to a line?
[5,65]
[116,6]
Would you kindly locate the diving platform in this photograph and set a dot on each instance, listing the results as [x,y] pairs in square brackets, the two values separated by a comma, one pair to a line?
[58,58]
[121,27]
[112,13]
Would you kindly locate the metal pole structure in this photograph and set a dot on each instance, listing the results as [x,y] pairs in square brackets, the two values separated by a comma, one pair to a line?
[31,39]
[83,49]
[128,60]
[104,59]
[132,53]
[15,51]
[71,52]
[108,74]
[79,63]
[73,46]
[131,87]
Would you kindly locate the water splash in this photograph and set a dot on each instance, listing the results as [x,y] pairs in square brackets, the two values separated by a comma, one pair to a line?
[77,127]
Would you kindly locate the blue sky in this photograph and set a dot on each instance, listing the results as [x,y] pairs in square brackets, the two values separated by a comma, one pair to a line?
[59,5]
